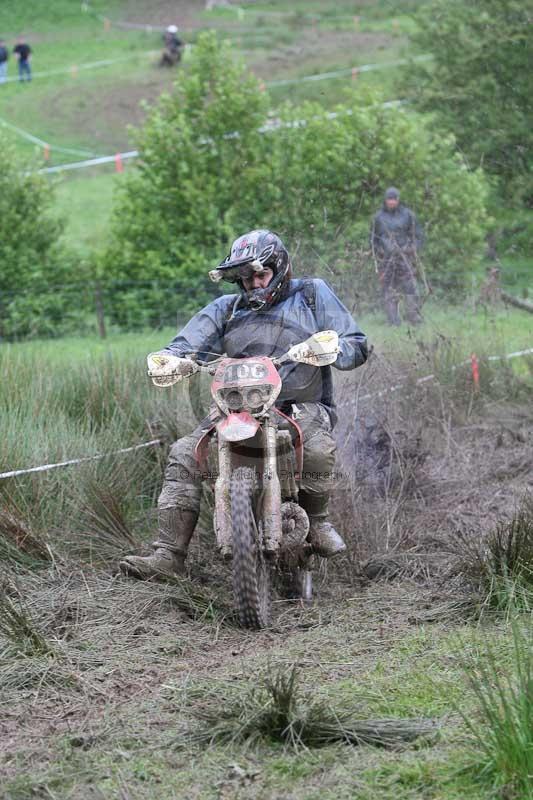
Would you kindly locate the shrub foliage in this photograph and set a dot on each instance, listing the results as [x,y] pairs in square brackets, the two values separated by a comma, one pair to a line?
[478,83]
[33,262]
[216,162]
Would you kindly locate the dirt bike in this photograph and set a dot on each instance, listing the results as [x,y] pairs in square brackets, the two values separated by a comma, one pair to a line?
[253,454]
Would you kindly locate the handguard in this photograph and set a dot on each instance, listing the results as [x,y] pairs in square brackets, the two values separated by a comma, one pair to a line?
[319,350]
[165,369]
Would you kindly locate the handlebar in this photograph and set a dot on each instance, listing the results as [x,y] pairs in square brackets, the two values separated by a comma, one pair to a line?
[210,367]
[320,349]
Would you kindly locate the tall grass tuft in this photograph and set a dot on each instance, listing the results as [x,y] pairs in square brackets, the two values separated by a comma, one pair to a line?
[18,627]
[19,544]
[503,565]
[99,504]
[504,739]
[276,709]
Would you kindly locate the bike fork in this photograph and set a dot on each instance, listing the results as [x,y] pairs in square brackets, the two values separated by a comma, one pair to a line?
[223,528]
[272,491]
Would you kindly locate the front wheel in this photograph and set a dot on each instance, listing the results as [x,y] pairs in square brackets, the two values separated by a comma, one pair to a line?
[251,573]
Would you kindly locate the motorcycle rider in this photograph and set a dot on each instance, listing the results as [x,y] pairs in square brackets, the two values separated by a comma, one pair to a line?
[396,236]
[173,47]
[270,313]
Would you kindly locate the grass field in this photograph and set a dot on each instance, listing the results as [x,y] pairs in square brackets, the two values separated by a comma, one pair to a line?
[389,666]
[90,110]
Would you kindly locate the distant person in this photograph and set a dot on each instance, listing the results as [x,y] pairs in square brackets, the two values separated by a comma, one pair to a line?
[22,51]
[171,55]
[396,237]
[4,55]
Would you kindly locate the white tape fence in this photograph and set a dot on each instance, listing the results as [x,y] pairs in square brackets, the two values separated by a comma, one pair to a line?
[273,125]
[353,72]
[14,473]
[30,137]
[428,378]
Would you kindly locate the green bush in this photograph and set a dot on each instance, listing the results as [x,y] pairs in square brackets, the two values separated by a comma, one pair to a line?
[207,173]
[33,261]
[478,83]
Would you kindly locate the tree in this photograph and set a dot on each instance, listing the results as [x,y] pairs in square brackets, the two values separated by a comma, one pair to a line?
[31,257]
[211,168]
[175,213]
[478,83]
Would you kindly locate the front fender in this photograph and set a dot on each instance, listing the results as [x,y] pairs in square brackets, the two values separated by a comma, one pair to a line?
[238,427]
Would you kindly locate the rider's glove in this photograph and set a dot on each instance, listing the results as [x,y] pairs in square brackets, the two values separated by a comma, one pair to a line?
[166,369]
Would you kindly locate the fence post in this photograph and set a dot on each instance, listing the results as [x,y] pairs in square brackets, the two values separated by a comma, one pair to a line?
[99,308]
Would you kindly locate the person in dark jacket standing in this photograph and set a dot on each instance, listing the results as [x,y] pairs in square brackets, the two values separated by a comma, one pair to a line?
[4,55]
[396,237]
[22,51]
[270,313]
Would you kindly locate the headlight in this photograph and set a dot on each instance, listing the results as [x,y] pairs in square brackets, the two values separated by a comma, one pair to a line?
[256,397]
[234,399]
[246,398]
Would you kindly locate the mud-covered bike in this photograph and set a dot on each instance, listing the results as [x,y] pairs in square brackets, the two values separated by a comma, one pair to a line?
[253,454]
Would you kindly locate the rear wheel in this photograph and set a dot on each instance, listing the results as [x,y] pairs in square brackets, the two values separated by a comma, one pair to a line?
[251,573]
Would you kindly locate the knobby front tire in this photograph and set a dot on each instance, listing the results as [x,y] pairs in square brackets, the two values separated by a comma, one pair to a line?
[251,573]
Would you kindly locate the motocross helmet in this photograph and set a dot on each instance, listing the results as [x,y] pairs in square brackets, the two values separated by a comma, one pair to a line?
[254,252]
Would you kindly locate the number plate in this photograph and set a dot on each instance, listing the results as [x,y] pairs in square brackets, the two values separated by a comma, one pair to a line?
[247,371]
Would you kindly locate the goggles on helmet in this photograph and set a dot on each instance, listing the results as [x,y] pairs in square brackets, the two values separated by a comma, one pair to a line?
[247,271]
[237,272]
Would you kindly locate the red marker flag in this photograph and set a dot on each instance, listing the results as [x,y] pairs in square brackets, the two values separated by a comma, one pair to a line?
[119,166]
[475,371]
[46,152]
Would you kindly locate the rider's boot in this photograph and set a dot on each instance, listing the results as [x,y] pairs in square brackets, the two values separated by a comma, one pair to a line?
[176,527]
[323,537]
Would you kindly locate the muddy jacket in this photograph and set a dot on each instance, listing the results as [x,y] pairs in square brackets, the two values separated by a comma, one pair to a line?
[229,326]
[395,230]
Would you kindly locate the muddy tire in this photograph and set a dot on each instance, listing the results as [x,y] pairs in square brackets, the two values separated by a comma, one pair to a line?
[251,573]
